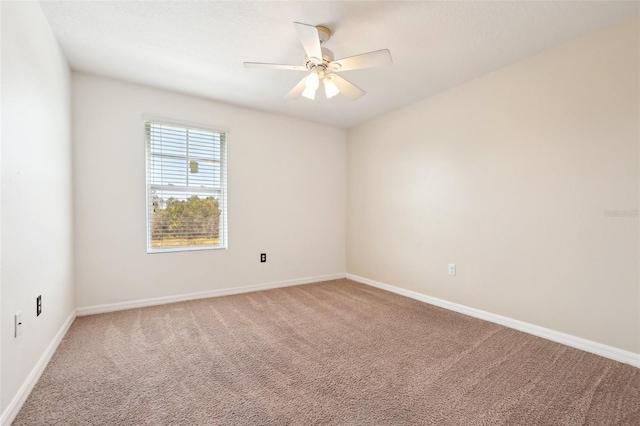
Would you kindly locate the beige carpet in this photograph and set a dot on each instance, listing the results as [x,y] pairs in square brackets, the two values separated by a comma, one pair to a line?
[337,353]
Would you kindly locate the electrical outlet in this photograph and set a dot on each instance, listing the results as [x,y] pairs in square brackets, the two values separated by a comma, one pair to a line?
[452,269]
[263,257]
[18,323]
[38,305]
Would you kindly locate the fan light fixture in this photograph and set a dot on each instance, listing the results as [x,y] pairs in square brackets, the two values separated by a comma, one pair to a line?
[312,82]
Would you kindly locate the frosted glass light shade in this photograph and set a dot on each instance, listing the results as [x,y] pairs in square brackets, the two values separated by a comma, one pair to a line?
[330,88]
[311,85]
[313,81]
[309,93]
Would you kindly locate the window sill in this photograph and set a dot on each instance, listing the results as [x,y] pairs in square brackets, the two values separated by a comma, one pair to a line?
[183,249]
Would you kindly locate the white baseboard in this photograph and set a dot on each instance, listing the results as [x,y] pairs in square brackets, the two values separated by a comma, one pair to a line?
[610,352]
[16,403]
[120,306]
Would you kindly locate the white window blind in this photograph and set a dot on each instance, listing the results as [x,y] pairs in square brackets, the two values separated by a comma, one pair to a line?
[186,188]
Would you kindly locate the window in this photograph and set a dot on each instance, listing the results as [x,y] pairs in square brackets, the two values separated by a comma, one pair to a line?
[186,188]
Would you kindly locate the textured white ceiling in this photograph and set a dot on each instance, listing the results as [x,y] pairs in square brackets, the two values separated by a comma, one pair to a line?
[198,47]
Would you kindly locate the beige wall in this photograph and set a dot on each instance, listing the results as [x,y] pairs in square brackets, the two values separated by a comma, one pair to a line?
[37,252]
[286,197]
[508,176]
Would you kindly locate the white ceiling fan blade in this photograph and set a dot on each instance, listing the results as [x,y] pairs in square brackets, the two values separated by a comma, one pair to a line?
[379,58]
[310,41]
[347,88]
[296,92]
[274,66]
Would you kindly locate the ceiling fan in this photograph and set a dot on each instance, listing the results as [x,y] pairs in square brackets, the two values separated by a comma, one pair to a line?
[321,66]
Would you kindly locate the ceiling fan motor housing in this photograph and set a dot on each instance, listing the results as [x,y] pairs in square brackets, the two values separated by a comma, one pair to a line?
[327,58]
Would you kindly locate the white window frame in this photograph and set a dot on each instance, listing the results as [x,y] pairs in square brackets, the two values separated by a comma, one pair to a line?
[222,190]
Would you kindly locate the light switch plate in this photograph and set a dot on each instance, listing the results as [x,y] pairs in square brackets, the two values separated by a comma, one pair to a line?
[18,322]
